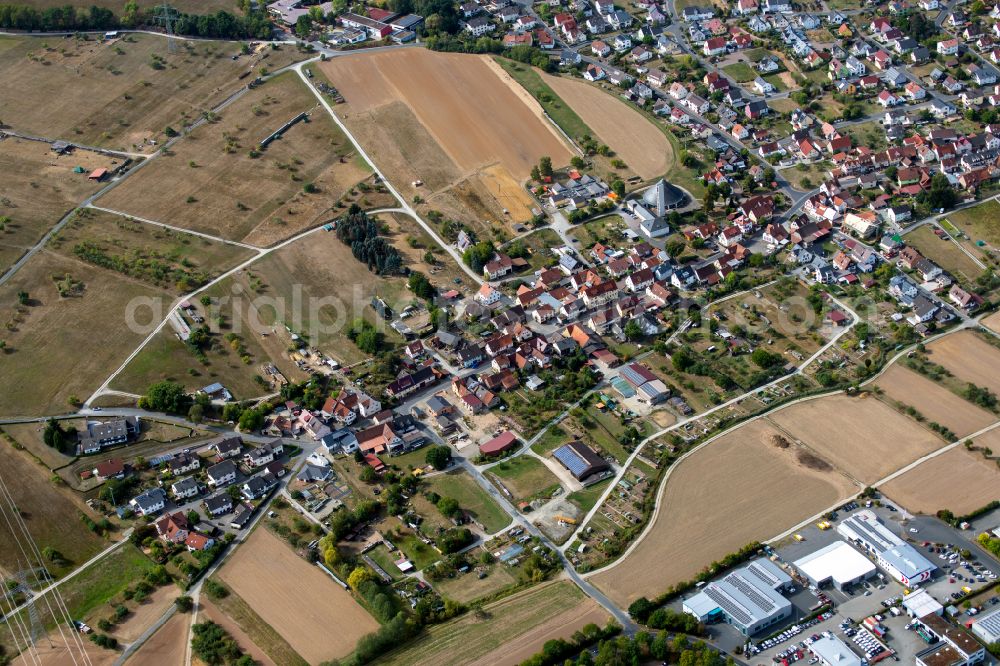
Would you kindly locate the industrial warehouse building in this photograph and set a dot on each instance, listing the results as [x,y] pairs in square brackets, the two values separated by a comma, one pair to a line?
[838,564]
[832,651]
[749,598]
[582,462]
[987,627]
[648,386]
[898,558]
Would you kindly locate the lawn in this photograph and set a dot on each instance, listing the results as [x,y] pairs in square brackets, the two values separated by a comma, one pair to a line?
[607,229]
[471,497]
[501,623]
[981,222]
[416,551]
[466,588]
[382,557]
[539,245]
[103,580]
[553,437]
[740,71]
[526,477]
[586,499]
[776,81]
[806,176]
[560,112]
[870,134]
[945,253]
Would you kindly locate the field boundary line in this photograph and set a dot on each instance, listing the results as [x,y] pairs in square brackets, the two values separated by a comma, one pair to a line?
[172,227]
[406,208]
[638,449]
[899,472]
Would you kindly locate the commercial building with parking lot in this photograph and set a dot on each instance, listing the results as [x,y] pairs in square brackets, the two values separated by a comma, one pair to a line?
[748,598]
[987,627]
[838,563]
[955,646]
[832,651]
[898,558]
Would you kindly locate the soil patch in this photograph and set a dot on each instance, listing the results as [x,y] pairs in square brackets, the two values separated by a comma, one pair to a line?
[862,436]
[167,646]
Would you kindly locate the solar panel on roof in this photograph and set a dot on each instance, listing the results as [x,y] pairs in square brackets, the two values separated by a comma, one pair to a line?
[729,605]
[751,593]
[763,574]
[573,461]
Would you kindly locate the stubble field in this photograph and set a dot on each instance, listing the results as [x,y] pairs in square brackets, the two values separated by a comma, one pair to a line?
[968,357]
[39,188]
[863,436]
[636,140]
[167,646]
[454,122]
[110,94]
[210,183]
[933,401]
[958,480]
[297,599]
[719,499]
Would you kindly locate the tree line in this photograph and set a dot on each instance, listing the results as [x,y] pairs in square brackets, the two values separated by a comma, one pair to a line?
[221,24]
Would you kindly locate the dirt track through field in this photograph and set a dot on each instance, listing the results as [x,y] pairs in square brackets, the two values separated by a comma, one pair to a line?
[476,117]
[864,437]
[722,497]
[958,480]
[297,599]
[968,357]
[634,138]
[935,403]
[165,647]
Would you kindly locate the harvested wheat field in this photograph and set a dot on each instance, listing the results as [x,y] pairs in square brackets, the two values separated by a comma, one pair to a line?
[862,436]
[475,116]
[992,322]
[167,646]
[969,358]
[958,480]
[635,139]
[145,615]
[936,403]
[121,93]
[719,499]
[210,182]
[52,651]
[296,598]
[39,188]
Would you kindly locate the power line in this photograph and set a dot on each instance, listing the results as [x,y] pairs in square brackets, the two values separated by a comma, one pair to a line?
[7,504]
[167,15]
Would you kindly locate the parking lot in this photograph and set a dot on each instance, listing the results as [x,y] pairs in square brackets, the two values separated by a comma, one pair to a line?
[930,536]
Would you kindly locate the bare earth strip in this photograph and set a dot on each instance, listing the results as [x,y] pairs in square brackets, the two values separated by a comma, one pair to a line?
[165,647]
[968,357]
[634,139]
[937,404]
[475,116]
[296,599]
[958,480]
[718,500]
[562,626]
[864,437]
